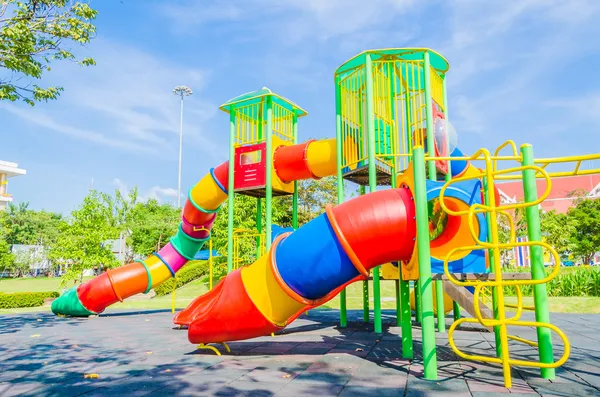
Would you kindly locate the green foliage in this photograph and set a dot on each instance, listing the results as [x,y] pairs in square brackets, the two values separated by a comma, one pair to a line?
[33,36]
[313,196]
[25,299]
[80,243]
[31,227]
[585,237]
[190,272]
[576,281]
[557,230]
[151,226]
[6,258]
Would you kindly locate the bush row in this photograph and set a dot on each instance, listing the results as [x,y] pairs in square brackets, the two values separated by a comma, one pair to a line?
[577,281]
[25,299]
[190,272]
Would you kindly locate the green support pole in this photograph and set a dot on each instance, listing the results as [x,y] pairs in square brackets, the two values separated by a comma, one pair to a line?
[534,233]
[418,310]
[455,311]
[340,181]
[424,253]
[495,301]
[269,173]
[439,297]
[455,306]
[398,305]
[427,321]
[258,225]
[295,196]
[365,290]
[366,308]
[231,198]
[407,341]
[372,183]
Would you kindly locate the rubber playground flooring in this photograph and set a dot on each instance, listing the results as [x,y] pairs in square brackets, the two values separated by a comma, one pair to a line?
[142,353]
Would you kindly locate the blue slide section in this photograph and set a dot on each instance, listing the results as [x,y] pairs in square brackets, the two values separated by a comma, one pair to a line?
[313,273]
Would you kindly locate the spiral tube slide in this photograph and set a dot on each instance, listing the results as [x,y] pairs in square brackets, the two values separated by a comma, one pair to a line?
[311,159]
[305,269]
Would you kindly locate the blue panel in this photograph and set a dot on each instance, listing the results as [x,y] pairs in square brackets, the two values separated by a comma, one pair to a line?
[468,192]
[457,166]
[312,262]
[276,230]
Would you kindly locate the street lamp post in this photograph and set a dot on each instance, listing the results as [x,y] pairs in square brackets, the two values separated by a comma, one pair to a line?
[181,91]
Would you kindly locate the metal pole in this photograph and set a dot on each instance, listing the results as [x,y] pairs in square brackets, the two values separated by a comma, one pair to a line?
[372,183]
[340,181]
[180,152]
[366,308]
[540,294]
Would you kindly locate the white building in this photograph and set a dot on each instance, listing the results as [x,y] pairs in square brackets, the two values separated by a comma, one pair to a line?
[7,170]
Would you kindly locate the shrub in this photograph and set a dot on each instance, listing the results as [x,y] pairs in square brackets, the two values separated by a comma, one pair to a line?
[25,299]
[571,281]
[190,272]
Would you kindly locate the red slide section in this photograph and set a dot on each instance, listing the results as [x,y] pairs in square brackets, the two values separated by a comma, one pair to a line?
[373,229]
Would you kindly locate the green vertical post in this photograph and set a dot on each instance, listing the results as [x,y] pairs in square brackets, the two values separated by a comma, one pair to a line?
[372,182]
[269,173]
[407,341]
[258,225]
[424,253]
[340,180]
[365,289]
[295,196]
[455,306]
[398,305]
[534,233]
[231,198]
[441,314]
[425,282]
[495,300]
[366,308]
[417,293]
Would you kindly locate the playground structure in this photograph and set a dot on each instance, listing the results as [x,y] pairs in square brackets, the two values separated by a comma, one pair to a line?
[436,227]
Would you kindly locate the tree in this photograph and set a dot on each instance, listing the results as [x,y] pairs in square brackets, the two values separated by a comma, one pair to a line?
[151,226]
[557,230]
[6,257]
[313,196]
[585,238]
[32,36]
[81,243]
[31,227]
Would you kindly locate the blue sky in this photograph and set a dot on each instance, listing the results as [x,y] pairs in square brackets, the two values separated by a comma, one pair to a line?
[523,70]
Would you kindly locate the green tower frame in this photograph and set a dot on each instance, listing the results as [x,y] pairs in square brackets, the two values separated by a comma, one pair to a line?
[384,98]
[254,118]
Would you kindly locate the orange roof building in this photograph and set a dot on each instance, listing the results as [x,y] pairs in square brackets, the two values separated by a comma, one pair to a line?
[563,194]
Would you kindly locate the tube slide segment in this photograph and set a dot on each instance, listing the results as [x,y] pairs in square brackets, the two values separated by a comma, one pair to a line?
[312,159]
[306,268]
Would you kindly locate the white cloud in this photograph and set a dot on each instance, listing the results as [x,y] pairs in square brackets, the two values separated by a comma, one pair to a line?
[125,101]
[43,119]
[158,193]
[294,19]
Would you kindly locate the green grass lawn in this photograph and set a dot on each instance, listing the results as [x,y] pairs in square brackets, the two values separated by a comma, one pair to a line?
[186,294]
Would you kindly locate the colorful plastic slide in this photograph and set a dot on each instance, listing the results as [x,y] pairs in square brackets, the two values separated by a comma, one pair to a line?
[312,159]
